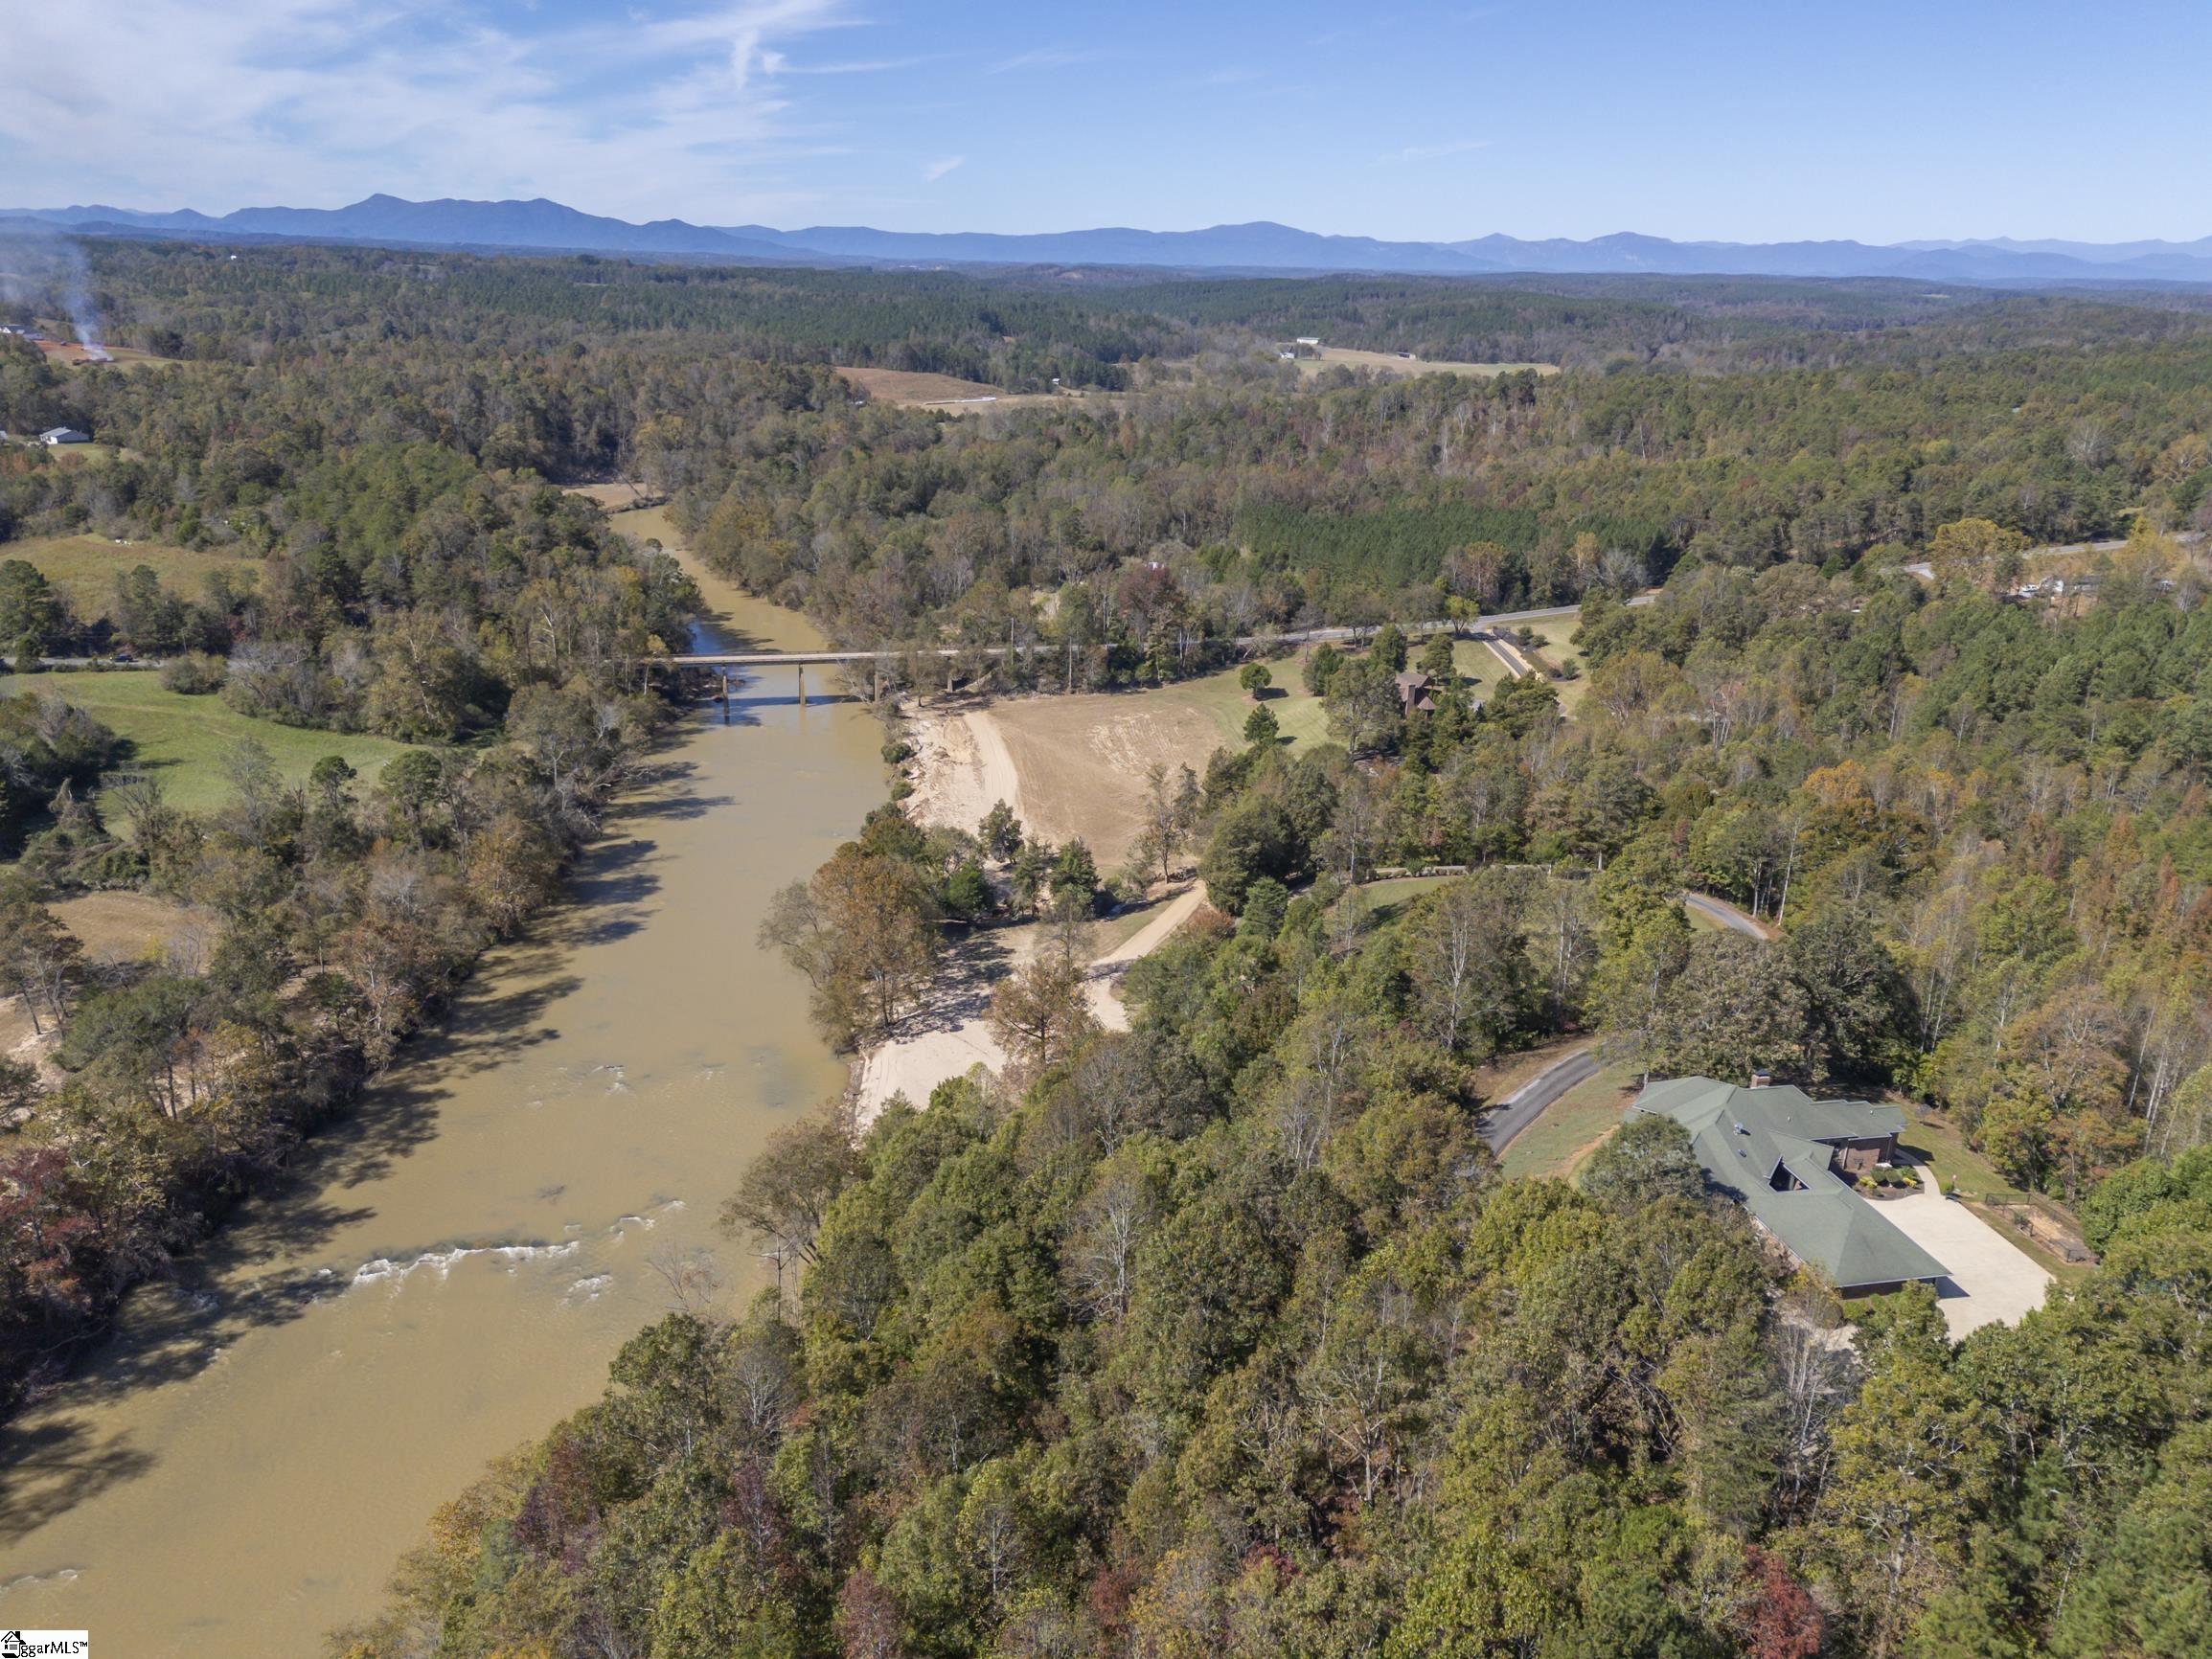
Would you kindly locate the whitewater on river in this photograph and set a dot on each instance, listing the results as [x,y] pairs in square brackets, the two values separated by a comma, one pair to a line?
[448,1274]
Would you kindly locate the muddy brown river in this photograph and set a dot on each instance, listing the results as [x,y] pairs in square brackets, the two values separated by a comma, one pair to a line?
[450,1273]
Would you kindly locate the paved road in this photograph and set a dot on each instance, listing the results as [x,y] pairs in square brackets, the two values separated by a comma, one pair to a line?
[1726,915]
[1526,1103]
[1926,571]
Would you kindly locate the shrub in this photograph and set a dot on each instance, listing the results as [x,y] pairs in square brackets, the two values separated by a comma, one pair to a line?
[195,675]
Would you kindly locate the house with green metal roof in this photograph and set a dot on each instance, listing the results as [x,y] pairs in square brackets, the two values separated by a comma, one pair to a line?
[1790,1160]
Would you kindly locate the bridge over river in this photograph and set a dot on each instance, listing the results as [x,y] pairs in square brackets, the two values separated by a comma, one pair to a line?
[949,655]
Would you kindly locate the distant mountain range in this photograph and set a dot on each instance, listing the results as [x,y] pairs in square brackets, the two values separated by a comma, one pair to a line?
[1261,246]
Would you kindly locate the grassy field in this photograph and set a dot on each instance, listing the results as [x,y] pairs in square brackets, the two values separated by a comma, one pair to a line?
[78,454]
[85,566]
[125,926]
[1384,899]
[1573,1126]
[1082,759]
[1552,646]
[184,742]
[1299,715]
[118,357]
[946,392]
[907,386]
[1343,356]
[1478,663]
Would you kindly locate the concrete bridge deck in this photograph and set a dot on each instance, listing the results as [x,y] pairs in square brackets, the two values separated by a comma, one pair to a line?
[1246,641]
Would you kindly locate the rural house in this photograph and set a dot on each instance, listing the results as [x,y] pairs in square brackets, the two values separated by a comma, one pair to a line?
[64,435]
[1792,1161]
[1416,693]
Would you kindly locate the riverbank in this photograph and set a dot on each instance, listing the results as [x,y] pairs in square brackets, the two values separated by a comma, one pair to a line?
[451,1270]
[962,765]
[952,1036]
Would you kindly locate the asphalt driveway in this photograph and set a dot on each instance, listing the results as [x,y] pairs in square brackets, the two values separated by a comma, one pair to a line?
[1526,1103]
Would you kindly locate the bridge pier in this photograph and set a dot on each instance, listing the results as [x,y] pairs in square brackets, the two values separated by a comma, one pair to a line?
[802,684]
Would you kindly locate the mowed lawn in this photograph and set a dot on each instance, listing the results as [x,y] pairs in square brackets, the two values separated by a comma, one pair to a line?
[186,742]
[85,567]
[1572,1126]
[1299,715]
[1551,643]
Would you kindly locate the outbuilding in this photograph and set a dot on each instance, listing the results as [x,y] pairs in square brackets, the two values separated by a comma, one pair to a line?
[64,435]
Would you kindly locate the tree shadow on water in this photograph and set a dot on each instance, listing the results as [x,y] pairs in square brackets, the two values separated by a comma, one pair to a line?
[259,1270]
[267,1264]
[49,1466]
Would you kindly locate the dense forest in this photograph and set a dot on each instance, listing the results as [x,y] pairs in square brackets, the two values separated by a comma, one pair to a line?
[1224,1333]
[1214,494]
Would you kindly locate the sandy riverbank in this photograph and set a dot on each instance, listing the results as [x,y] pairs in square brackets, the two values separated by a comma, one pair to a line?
[962,767]
[952,1037]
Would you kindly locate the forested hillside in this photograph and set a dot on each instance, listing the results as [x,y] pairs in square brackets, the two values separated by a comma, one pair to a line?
[1745,425]
[1226,1335]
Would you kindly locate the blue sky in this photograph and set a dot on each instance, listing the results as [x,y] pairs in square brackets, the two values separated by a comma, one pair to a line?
[1879,121]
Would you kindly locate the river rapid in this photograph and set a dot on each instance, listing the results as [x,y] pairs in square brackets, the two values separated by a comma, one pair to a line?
[448,1274]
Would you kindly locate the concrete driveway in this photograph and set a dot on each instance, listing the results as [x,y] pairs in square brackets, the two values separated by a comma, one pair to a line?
[1991,1280]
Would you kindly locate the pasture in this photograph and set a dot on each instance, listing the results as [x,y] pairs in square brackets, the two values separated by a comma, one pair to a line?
[1390,363]
[906,386]
[185,742]
[123,357]
[84,567]
[948,393]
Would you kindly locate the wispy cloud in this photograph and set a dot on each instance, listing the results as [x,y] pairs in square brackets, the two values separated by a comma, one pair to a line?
[1045,57]
[669,109]
[1437,151]
[1235,77]
[862,66]
[933,171]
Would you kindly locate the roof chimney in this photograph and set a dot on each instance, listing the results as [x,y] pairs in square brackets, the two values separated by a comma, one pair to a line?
[1762,1079]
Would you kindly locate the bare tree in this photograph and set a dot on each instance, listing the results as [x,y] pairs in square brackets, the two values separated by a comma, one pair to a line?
[788,1189]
